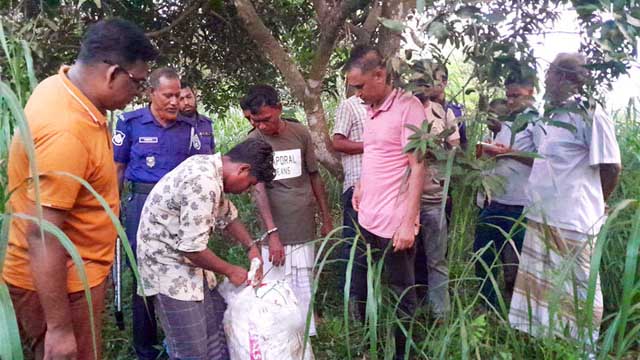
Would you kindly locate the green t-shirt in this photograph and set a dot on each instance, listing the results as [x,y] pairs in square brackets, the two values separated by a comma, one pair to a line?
[290,194]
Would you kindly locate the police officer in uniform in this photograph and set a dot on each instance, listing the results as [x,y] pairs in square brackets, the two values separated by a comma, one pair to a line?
[148,143]
[189,109]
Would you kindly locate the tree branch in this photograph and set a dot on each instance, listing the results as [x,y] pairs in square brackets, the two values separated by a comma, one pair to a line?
[364,32]
[268,44]
[329,32]
[321,11]
[180,19]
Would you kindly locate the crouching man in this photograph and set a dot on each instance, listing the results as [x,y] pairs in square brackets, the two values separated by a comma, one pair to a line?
[175,227]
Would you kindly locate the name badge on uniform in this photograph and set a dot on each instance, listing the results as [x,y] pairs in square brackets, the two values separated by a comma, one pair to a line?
[151,161]
[195,142]
[148,140]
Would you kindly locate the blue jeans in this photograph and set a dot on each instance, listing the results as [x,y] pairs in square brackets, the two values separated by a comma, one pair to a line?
[493,217]
[358,290]
[144,325]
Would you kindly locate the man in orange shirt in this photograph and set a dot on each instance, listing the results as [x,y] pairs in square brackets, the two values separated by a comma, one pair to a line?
[66,116]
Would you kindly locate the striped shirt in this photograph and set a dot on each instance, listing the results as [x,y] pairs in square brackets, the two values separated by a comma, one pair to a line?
[349,119]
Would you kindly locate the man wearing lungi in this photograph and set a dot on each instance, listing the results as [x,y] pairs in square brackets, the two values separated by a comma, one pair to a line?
[567,189]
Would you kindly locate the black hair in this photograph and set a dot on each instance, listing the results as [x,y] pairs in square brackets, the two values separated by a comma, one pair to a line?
[258,154]
[184,85]
[421,96]
[259,96]
[365,58]
[443,68]
[115,41]
[163,72]
[521,76]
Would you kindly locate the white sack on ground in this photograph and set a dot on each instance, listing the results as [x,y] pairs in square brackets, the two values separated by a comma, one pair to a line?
[264,323]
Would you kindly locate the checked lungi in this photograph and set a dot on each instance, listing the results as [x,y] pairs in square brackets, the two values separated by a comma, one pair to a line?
[552,285]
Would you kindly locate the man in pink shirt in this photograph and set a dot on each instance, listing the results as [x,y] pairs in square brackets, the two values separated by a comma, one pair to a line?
[387,196]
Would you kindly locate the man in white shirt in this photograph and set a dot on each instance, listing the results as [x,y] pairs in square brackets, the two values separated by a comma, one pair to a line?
[347,140]
[503,211]
[567,189]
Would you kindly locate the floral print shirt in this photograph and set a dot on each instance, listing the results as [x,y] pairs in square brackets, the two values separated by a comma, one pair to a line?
[179,216]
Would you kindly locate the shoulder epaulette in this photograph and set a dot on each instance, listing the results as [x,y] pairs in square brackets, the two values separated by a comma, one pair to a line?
[130,115]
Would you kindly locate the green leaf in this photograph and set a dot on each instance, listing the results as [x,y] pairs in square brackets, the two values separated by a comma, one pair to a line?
[438,30]
[393,25]
[10,346]
[467,11]
[562,124]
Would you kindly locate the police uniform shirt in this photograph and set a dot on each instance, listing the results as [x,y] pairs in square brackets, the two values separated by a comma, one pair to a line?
[151,150]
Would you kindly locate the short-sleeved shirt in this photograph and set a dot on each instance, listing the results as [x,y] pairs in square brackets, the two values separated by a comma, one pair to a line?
[432,190]
[151,150]
[385,165]
[290,193]
[515,173]
[179,216]
[350,116]
[70,135]
[564,187]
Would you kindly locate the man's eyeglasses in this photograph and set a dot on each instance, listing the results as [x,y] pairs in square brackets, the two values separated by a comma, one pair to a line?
[141,84]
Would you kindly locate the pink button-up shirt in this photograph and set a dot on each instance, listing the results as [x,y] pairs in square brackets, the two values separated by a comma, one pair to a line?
[384,179]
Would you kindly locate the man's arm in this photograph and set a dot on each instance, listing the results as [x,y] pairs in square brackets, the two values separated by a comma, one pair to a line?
[240,233]
[342,144]
[405,236]
[48,261]
[120,168]
[276,250]
[207,260]
[609,176]
[321,197]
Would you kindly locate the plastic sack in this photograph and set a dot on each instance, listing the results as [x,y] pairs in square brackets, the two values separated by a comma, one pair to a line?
[263,323]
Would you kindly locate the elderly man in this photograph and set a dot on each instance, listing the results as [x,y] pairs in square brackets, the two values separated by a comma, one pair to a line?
[567,189]
[66,116]
[498,233]
[176,265]
[387,200]
[148,143]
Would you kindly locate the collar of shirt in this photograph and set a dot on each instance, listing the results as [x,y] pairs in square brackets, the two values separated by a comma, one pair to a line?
[386,105]
[149,118]
[95,114]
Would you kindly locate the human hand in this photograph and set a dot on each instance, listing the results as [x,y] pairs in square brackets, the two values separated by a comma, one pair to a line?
[237,275]
[404,237]
[495,149]
[355,199]
[255,253]
[60,344]
[276,250]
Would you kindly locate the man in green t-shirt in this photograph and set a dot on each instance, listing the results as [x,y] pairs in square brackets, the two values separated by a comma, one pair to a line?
[288,205]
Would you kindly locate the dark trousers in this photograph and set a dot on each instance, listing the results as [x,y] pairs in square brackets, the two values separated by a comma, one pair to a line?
[194,329]
[144,325]
[399,271]
[358,289]
[493,217]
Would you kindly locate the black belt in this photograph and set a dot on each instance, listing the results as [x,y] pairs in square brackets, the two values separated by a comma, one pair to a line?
[141,188]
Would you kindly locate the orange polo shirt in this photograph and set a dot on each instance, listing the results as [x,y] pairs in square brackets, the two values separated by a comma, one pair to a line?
[70,135]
